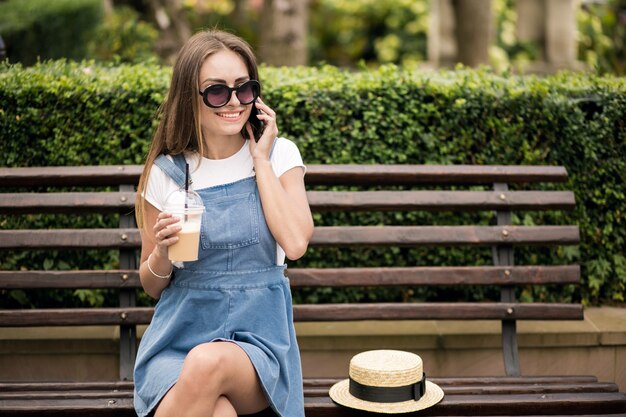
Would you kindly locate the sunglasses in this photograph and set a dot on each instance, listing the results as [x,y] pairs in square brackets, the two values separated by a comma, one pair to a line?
[218,95]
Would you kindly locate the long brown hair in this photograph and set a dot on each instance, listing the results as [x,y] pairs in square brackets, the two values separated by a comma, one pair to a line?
[179,127]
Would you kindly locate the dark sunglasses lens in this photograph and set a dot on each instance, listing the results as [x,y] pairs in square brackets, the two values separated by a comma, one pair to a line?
[217,95]
[247,92]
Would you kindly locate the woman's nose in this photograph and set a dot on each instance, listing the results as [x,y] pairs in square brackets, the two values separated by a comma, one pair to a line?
[233,96]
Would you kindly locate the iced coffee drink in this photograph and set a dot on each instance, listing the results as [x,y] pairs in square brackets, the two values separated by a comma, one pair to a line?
[187,206]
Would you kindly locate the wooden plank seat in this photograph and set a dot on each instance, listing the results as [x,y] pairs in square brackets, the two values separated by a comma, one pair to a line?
[332,189]
[513,396]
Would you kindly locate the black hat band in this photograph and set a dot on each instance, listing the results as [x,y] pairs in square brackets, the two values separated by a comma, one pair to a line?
[388,394]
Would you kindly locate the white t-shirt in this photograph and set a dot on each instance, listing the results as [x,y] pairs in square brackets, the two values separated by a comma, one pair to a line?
[213,172]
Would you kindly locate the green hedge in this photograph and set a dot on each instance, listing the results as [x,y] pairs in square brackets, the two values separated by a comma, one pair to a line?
[48,29]
[62,113]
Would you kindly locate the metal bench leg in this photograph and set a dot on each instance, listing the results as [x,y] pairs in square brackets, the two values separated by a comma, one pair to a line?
[503,255]
[128,334]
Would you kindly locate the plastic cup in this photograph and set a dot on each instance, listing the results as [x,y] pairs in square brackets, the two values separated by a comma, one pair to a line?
[187,206]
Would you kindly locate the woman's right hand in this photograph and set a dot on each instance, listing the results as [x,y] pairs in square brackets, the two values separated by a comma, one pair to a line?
[165,230]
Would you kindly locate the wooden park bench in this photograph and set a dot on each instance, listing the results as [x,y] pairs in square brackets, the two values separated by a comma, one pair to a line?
[332,188]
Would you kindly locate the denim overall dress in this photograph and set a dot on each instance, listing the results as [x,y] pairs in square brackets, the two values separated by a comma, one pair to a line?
[234,292]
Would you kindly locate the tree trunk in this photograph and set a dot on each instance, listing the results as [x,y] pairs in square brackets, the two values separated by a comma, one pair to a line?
[531,25]
[473,31]
[283,34]
[238,14]
[441,38]
[107,7]
[561,32]
[174,27]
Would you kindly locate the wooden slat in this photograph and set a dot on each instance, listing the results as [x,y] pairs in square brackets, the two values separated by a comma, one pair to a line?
[317,312]
[70,279]
[555,404]
[323,391]
[57,395]
[437,311]
[515,380]
[431,174]
[443,235]
[101,202]
[64,386]
[496,405]
[307,277]
[70,238]
[76,407]
[528,396]
[484,275]
[573,381]
[529,404]
[103,175]
[479,389]
[75,316]
[322,236]
[316,175]
[482,381]
[496,389]
[439,200]
[104,202]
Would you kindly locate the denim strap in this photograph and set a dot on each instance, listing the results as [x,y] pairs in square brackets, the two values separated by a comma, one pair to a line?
[272,151]
[175,170]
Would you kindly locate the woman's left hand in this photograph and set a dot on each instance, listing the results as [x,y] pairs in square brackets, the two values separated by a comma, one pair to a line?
[261,149]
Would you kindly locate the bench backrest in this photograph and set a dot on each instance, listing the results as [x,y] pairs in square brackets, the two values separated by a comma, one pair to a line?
[332,188]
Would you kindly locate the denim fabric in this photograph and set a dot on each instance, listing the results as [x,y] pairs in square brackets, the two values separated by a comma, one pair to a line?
[234,292]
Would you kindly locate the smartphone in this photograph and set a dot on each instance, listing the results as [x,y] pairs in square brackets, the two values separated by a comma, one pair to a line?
[257,125]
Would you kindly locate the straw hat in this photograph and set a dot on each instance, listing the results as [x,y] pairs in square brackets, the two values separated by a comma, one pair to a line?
[386,381]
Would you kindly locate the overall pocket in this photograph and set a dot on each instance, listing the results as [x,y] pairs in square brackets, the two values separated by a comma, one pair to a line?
[230,222]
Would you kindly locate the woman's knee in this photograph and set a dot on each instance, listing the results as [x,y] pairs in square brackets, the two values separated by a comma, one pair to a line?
[204,366]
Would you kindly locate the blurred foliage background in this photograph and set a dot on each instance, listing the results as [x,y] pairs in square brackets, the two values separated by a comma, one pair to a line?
[344,33]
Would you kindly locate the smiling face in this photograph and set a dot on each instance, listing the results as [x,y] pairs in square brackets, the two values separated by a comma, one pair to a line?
[223,67]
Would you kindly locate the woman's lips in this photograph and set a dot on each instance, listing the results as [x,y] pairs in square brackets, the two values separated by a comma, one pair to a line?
[231,116]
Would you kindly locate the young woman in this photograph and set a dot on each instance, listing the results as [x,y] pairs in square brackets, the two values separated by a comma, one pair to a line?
[221,342]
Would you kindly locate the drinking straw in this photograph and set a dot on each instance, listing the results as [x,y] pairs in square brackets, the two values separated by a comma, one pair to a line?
[186,188]
[186,178]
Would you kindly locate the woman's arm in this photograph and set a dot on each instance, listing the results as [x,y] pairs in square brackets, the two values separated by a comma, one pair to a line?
[156,236]
[286,208]
[284,200]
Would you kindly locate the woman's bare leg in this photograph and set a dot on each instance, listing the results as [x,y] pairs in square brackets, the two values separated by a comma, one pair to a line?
[210,371]
[223,408]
